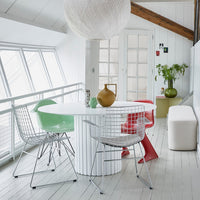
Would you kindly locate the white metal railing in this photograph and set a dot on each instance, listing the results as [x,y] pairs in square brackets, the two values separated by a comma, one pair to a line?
[66,93]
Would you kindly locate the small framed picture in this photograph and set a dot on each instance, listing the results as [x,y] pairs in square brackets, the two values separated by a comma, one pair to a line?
[161,45]
[165,49]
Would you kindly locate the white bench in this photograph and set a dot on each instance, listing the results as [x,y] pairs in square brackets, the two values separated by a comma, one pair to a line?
[182,128]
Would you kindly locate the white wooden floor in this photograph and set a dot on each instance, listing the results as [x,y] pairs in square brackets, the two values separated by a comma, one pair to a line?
[175,175]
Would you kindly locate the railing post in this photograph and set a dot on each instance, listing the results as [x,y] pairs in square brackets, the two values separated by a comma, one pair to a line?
[12,121]
[41,96]
[77,87]
[62,97]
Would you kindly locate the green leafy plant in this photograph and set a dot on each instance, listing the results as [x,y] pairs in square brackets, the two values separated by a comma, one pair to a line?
[170,73]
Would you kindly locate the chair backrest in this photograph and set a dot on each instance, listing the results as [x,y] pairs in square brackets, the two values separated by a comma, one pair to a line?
[24,122]
[115,117]
[148,114]
[46,121]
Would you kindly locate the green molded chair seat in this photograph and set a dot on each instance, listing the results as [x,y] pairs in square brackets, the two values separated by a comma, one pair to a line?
[52,122]
[59,124]
[63,126]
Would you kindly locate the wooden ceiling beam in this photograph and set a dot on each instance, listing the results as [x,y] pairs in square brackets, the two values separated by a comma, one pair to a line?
[161,21]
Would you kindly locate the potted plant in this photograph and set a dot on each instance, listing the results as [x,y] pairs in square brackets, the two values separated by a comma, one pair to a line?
[170,74]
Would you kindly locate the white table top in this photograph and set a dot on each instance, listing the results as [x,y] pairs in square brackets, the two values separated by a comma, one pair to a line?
[81,109]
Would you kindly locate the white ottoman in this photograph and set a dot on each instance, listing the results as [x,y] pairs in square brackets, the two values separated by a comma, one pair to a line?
[182,128]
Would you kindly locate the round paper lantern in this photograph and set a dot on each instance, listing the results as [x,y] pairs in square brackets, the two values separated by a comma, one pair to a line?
[97,19]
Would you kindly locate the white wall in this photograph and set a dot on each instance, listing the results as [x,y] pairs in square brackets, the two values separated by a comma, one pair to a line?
[72,51]
[179,47]
[92,70]
[196,97]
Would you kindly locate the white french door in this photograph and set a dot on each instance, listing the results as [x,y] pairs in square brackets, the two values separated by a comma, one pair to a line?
[134,60]
[138,62]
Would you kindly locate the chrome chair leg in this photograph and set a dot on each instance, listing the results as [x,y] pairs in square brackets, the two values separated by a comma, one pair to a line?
[70,144]
[34,171]
[59,149]
[50,154]
[149,177]
[91,178]
[29,173]
[69,149]
[16,176]
[103,169]
[34,187]
[43,150]
[93,162]
[70,162]
[136,169]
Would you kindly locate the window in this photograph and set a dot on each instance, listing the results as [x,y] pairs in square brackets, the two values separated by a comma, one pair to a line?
[29,70]
[24,70]
[108,61]
[37,71]
[53,69]
[15,72]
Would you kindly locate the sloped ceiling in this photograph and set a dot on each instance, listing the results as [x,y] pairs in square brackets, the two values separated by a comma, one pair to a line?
[43,13]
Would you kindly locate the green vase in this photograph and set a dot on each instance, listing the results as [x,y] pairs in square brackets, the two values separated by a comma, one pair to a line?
[170,92]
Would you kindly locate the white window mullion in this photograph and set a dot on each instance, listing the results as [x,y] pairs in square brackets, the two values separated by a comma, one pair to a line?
[109,79]
[125,61]
[27,70]
[12,123]
[4,80]
[60,67]
[137,74]
[45,69]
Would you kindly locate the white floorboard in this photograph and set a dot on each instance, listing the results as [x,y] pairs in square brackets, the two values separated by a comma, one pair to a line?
[175,175]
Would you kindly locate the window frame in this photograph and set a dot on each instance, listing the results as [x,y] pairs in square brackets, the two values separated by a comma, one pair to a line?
[21,48]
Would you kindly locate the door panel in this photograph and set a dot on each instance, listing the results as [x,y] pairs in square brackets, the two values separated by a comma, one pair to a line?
[138,48]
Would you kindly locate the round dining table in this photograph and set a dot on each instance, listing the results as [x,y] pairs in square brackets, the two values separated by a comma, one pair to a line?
[85,146]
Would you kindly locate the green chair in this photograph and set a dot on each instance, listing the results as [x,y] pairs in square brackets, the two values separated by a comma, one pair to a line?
[53,123]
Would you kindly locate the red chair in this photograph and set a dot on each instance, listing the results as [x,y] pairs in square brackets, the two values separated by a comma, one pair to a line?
[130,127]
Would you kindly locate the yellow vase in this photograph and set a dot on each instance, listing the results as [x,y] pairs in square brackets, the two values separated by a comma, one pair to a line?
[106,97]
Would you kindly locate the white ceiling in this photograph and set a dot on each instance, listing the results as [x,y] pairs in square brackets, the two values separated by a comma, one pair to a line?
[43,13]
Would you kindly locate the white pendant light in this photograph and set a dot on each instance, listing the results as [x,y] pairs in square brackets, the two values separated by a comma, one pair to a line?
[97,19]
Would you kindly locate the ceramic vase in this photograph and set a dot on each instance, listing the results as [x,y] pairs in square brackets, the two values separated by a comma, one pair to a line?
[106,97]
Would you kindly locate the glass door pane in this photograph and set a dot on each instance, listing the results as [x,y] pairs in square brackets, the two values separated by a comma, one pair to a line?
[137,65]
[108,62]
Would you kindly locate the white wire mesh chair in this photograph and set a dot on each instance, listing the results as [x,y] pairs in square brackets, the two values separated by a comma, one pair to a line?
[108,132]
[30,137]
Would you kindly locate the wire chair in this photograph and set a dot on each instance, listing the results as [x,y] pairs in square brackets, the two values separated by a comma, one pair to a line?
[30,137]
[108,132]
